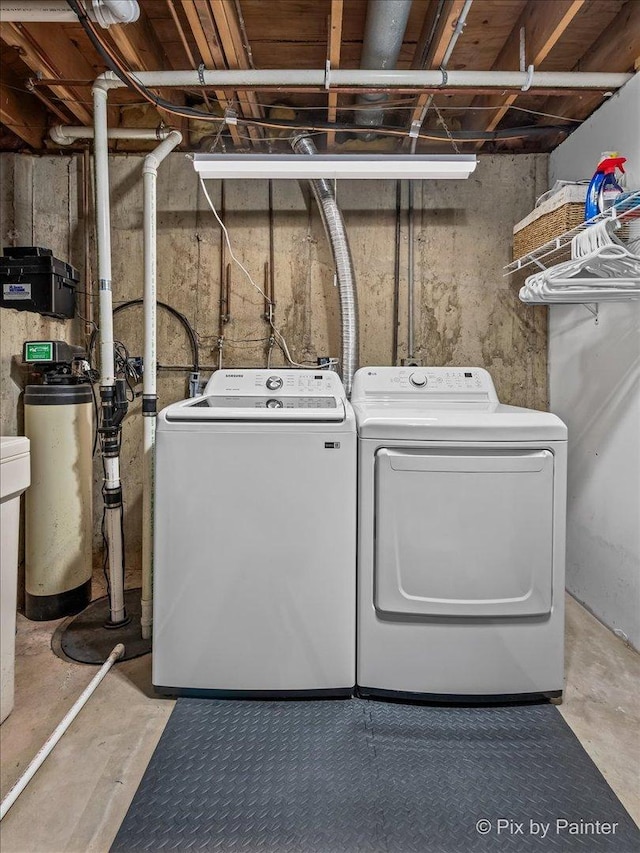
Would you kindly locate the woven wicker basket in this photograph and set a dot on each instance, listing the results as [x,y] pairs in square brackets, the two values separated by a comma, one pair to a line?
[551,219]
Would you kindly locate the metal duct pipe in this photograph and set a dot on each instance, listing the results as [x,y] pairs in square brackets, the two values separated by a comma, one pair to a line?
[383,37]
[104,12]
[334,226]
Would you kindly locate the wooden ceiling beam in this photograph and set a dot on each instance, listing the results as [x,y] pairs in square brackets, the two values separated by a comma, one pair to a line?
[138,45]
[334,48]
[206,40]
[430,50]
[61,59]
[606,53]
[236,56]
[544,25]
[21,112]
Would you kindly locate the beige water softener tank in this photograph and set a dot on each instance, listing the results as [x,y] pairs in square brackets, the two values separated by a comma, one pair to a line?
[58,532]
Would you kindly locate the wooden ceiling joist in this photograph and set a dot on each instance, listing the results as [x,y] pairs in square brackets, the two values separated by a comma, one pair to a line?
[432,45]
[544,25]
[139,47]
[21,112]
[60,59]
[206,40]
[236,56]
[608,53]
[335,44]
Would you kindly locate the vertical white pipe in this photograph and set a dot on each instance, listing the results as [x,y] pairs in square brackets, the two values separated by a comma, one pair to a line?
[103,233]
[60,729]
[112,484]
[410,278]
[149,177]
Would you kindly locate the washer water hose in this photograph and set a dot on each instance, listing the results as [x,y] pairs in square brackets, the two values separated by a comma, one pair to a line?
[337,235]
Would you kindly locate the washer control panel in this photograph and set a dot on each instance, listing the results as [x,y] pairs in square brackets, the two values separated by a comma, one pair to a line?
[314,385]
[220,401]
[459,383]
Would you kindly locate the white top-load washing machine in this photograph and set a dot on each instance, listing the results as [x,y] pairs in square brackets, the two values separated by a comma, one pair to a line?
[255,537]
[461,537]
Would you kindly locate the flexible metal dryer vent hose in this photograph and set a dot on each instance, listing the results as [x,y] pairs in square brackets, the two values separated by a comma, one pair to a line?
[337,235]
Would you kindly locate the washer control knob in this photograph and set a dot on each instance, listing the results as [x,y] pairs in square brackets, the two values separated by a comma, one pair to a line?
[273,383]
[274,404]
[418,380]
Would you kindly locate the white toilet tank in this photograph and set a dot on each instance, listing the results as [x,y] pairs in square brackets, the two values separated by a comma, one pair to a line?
[15,476]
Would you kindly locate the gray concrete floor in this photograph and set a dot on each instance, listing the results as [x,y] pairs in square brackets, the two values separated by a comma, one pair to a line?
[79,797]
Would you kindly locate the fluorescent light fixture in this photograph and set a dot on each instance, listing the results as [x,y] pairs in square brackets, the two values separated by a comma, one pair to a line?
[359,166]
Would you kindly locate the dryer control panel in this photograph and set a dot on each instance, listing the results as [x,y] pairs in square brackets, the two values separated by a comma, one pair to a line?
[436,383]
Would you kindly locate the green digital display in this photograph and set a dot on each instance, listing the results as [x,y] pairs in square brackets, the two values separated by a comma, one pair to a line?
[39,351]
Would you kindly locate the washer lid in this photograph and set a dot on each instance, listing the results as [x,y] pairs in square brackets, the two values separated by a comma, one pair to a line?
[276,408]
[444,421]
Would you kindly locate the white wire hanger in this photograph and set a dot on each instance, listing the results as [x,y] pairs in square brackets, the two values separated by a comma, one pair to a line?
[601,269]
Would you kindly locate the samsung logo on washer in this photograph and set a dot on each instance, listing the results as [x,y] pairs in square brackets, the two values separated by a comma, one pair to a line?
[234,375]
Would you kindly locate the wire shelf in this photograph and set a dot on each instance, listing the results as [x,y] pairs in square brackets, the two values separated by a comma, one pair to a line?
[559,249]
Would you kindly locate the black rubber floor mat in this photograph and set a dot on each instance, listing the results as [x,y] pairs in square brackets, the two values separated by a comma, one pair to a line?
[359,776]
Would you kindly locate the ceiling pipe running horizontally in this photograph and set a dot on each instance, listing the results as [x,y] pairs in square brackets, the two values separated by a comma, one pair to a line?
[357,78]
[383,36]
[103,12]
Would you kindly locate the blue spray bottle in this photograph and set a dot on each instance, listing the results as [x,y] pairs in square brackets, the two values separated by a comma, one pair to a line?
[603,187]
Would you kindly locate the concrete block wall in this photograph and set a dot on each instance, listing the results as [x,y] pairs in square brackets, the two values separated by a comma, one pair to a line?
[466,312]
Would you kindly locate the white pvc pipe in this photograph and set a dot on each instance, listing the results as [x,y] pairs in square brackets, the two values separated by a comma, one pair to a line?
[37,10]
[60,729]
[103,234]
[112,484]
[391,79]
[105,12]
[63,134]
[149,177]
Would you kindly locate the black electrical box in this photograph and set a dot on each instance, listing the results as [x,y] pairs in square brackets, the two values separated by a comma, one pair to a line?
[33,280]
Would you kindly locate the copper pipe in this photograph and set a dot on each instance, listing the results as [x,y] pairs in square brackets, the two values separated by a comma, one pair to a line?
[272,263]
[228,294]
[265,288]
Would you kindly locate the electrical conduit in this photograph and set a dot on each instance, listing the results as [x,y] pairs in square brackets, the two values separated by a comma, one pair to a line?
[337,235]
[149,396]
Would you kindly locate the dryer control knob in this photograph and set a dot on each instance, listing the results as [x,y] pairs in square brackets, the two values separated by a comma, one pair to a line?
[273,383]
[419,380]
[274,404]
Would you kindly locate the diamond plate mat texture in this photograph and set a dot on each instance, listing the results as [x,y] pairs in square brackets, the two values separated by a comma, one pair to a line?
[371,777]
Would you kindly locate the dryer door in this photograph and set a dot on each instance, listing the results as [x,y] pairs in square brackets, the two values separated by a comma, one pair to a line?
[464,532]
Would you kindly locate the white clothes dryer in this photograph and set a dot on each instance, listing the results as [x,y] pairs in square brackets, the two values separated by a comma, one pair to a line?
[255,537]
[461,537]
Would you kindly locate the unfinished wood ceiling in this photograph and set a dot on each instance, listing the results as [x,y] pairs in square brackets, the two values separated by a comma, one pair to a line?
[48,68]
